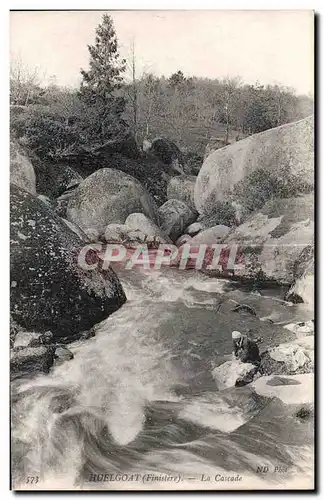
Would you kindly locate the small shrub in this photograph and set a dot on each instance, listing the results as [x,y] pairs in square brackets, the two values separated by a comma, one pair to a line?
[260,186]
[44,133]
[193,161]
[223,213]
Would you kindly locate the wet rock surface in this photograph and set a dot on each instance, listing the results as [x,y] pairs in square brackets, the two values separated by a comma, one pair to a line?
[295,389]
[245,309]
[233,373]
[31,360]
[32,353]
[61,355]
[32,339]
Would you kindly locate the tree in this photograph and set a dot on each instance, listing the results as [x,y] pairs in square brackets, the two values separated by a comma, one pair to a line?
[24,83]
[227,101]
[134,87]
[177,79]
[104,77]
[150,97]
[131,89]
[106,68]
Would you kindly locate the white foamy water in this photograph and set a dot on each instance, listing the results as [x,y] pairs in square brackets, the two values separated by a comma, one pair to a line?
[139,397]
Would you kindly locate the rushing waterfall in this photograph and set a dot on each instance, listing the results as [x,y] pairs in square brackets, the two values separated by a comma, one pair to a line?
[139,399]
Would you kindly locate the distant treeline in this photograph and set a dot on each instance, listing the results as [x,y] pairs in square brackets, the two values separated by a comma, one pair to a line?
[191,111]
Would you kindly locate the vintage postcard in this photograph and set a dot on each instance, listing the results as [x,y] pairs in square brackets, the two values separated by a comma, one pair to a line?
[162,250]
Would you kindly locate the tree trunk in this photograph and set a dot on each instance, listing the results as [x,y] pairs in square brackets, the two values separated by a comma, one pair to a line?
[134,92]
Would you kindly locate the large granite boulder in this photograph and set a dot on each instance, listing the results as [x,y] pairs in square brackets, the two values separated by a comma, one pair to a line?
[139,222]
[108,196]
[182,188]
[277,162]
[272,240]
[50,289]
[175,216]
[21,169]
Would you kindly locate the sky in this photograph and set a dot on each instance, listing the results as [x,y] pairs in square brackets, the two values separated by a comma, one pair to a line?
[266,46]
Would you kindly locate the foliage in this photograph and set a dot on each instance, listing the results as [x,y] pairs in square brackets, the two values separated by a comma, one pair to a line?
[60,121]
[24,84]
[224,213]
[102,80]
[193,161]
[105,70]
[260,186]
[43,133]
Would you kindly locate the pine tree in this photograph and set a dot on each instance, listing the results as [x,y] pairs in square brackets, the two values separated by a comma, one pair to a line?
[177,79]
[104,77]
